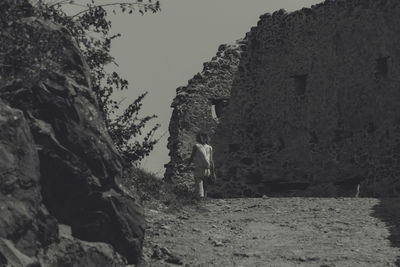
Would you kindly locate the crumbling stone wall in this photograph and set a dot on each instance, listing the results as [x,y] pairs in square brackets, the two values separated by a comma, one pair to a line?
[199,107]
[314,104]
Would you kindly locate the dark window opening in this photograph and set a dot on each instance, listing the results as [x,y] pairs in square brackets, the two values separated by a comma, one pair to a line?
[234,148]
[247,161]
[313,138]
[381,67]
[371,128]
[300,84]
[217,107]
[281,144]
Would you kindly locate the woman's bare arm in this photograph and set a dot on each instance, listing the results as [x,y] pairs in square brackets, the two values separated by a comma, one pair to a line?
[212,161]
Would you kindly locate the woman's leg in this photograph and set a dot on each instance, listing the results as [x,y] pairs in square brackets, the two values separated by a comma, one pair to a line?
[199,189]
[207,173]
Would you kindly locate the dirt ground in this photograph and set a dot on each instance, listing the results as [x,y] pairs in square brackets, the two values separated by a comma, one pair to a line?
[275,232]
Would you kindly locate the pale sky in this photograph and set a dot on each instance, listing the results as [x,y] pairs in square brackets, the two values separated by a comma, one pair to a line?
[160,52]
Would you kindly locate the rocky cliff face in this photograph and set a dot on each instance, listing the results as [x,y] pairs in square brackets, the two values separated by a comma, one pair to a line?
[313,105]
[24,219]
[57,162]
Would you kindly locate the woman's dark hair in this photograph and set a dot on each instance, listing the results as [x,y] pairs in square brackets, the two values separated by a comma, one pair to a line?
[202,138]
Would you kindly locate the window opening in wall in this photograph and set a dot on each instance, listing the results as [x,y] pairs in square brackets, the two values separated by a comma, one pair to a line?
[300,84]
[381,67]
[217,107]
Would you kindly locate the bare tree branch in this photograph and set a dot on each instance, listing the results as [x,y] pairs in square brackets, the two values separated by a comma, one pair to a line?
[62,2]
[131,4]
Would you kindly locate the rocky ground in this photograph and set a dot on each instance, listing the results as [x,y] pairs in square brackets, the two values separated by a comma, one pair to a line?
[275,232]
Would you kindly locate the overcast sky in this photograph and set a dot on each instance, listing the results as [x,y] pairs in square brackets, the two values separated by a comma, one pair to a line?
[160,52]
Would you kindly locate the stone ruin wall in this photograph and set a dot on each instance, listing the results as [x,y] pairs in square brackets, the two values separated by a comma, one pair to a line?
[196,106]
[314,107]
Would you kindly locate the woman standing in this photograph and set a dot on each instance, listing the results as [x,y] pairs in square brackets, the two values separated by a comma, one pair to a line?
[202,157]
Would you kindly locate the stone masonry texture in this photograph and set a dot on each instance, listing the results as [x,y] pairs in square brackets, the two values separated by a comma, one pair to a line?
[313,105]
[192,108]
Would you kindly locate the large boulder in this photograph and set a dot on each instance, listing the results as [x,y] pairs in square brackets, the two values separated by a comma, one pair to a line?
[23,218]
[70,252]
[11,256]
[74,253]
[29,235]
[79,165]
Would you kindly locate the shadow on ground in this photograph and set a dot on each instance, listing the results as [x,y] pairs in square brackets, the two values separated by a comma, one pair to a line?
[388,210]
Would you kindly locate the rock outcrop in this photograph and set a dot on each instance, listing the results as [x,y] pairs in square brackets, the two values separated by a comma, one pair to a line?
[68,172]
[25,224]
[75,253]
[312,109]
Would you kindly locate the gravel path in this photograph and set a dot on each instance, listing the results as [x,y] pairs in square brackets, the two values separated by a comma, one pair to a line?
[276,232]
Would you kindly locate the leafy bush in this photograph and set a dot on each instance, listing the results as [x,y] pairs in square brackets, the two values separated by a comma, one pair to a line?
[91,29]
[148,185]
[154,192]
